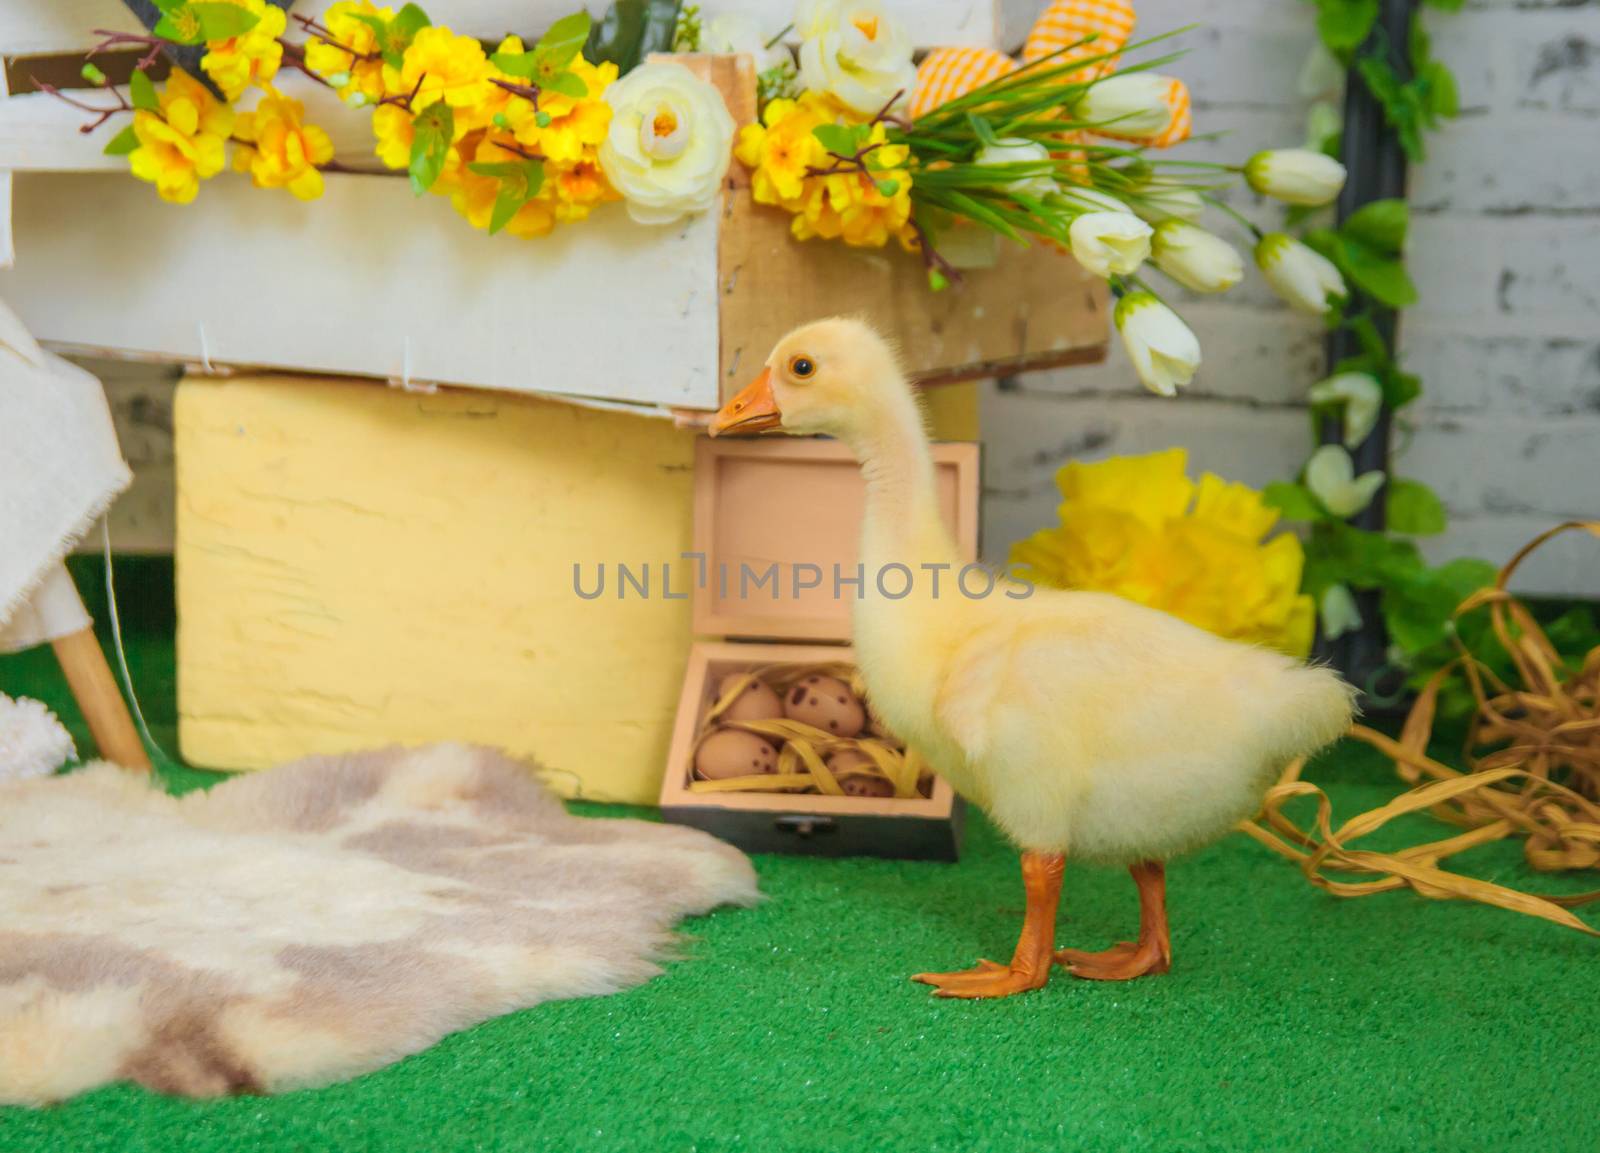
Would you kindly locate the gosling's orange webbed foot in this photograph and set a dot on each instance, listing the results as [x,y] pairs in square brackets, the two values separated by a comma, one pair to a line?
[1122,962]
[1150,955]
[986,979]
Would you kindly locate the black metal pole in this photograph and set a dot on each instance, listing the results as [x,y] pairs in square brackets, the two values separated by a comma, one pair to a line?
[1376,167]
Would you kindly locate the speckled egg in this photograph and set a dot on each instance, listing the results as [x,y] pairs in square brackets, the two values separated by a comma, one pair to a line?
[757,703]
[825,703]
[734,753]
[848,765]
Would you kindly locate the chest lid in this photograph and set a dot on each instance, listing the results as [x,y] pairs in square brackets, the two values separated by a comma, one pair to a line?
[777,518]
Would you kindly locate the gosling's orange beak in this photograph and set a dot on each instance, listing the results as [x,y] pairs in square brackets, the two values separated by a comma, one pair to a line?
[753,410]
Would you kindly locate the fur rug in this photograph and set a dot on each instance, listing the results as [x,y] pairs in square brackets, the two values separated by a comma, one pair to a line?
[307,924]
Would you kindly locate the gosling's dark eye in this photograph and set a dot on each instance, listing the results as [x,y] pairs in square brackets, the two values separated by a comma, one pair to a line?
[801,367]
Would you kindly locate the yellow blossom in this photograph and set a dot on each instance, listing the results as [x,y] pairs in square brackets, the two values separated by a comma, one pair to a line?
[352,52]
[391,124]
[280,150]
[1138,527]
[442,65]
[577,124]
[183,144]
[238,62]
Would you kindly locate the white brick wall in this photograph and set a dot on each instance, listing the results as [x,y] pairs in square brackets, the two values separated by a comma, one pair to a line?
[1506,253]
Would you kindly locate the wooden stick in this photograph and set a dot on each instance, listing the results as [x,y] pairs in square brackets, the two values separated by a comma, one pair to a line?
[95,690]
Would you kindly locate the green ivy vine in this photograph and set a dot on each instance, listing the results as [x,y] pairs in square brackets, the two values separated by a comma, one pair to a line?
[1417,93]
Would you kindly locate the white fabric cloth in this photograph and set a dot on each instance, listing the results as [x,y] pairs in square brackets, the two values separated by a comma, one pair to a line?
[60,469]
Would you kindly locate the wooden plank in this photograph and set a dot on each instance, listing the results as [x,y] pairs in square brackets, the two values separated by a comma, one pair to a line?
[7,249]
[38,27]
[357,567]
[367,281]
[40,133]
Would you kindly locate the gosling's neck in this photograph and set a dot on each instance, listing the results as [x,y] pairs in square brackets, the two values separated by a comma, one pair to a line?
[902,523]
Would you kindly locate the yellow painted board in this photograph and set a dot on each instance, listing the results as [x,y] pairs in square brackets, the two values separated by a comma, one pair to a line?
[359,565]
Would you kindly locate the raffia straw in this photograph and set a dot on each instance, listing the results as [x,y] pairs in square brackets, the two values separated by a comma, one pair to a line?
[1533,759]
[804,749]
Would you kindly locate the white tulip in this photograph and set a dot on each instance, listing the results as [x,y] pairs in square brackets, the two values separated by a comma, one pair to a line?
[737,32]
[855,50]
[1013,150]
[1305,279]
[1331,477]
[1295,175]
[1090,199]
[669,143]
[1110,243]
[1158,202]
[1130,104]
[1339,612]
[1164,350]
[1195,258]
[1362,397]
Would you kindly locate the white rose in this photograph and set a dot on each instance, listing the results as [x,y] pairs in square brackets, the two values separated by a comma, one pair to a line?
[1016,151]
[1110,243]
[736,32]
[1295,176]
[1132,104]
[856,51]
[1331,477]
[1305,279]
[1195,258]
[1362,397]
[670,142]
[1164,350]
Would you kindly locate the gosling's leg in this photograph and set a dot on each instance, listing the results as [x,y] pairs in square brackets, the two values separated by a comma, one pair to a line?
[1030,963]
[1151,954]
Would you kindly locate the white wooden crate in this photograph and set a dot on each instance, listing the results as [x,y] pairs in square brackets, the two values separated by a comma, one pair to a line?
[368,281]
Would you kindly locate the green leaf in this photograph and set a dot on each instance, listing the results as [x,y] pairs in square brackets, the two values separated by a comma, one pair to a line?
[1399,388]
[142,92]
[630,31]
[1293,500]
[122,143]
[1418,608]
[839,139]
[982,129]
[1344,24]
[1414,509]
[1380,224]
[432,131]
[1444,99]
[1380,277]
[520,182]
[566,83]
[565,38]
[223,21]
[1338,553]
[168,5]
[522,65]
[396,35]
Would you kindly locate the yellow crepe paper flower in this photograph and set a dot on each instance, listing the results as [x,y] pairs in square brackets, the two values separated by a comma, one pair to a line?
[353,52]
[280,150]
[248,59]
[1138,526]
[577,125]
[184,143]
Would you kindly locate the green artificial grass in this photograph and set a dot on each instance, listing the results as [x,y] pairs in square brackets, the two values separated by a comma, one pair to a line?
[1291,1020]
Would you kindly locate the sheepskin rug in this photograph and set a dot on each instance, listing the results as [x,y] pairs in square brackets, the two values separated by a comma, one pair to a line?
[310,923]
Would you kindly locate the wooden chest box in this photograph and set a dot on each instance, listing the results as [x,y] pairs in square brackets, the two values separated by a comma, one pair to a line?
[369,281]
[784,503]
